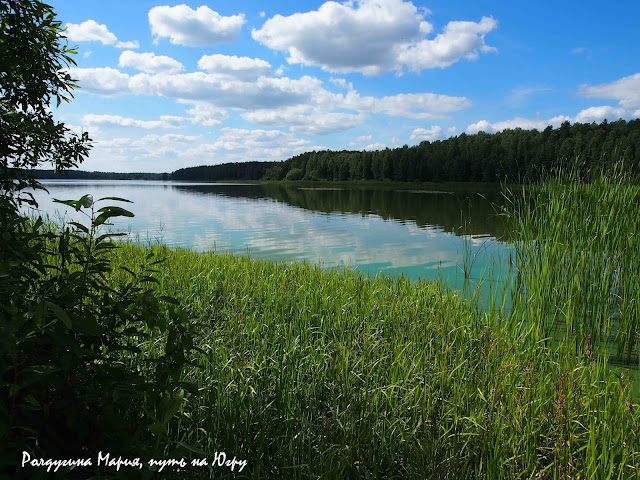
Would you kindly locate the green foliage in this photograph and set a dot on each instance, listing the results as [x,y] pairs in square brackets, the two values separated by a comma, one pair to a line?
[80,371]
[294,174]
[225,171]
[33,59]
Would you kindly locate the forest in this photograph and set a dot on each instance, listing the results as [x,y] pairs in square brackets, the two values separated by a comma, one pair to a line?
[511,155]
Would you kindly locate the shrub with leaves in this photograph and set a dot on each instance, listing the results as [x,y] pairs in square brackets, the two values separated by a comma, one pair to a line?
[79,371]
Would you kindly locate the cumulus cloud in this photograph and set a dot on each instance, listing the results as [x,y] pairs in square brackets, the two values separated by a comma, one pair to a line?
[452,130]
[152,153]
[375,146]
[92,31]
[149,62]
[598,114]
[588,115]
[408,105]
[205,113]
[363,138]
[458,40]
[165,121]
[626,91]
[372,37]
[421,134]
[237,144]
[301,119]
[518,122]
[341,82]
[103,81]
[301,104]
[134,44]
[200,27]
[264,92]
[245,68]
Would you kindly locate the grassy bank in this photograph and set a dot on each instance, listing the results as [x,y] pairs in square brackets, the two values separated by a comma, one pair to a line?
[316,374]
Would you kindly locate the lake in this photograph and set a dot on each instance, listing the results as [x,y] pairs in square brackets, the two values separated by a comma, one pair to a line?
[417,233]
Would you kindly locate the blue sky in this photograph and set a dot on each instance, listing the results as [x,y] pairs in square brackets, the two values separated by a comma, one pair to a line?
[171,85]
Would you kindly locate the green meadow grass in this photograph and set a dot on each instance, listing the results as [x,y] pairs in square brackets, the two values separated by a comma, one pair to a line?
[330,374]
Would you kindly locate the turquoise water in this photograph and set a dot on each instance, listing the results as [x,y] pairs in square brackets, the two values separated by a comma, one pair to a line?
[424,234]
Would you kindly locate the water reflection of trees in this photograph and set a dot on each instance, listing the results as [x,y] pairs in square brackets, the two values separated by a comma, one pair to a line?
[471,210]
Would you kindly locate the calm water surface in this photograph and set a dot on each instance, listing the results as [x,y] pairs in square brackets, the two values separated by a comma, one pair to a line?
[421,234]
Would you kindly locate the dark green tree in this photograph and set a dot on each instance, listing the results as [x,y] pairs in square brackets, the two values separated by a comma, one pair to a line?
[34,56]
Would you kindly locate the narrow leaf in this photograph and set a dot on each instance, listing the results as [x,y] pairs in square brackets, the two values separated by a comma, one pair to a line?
[60,313]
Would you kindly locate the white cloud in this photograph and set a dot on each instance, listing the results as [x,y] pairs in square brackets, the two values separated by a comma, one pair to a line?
[625,90]
[165,121]
[92,31]
[200,27]
[233,144]
[421,134]
[452,130]
[301,104]
[372,37]
[518,122]
[262,14]
[301,119]
[236,144]
[341,82]
[408,105]
[588,115]
[598,114]
[363,138]
[103,81]
[205,114]
[375,146]
[264,92]
[152,153]
[149,62]
[244,68]
[459,40]
[134,44]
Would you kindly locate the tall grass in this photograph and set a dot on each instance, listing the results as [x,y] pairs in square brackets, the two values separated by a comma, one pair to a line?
[326,374]
[577,249]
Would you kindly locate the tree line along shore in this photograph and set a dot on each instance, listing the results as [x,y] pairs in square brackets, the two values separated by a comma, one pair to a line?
[516,155]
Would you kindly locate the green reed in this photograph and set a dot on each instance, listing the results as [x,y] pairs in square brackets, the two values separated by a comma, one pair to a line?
[577,260]
[331,374]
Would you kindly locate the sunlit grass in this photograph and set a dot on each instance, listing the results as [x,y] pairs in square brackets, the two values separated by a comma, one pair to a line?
[327,374]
